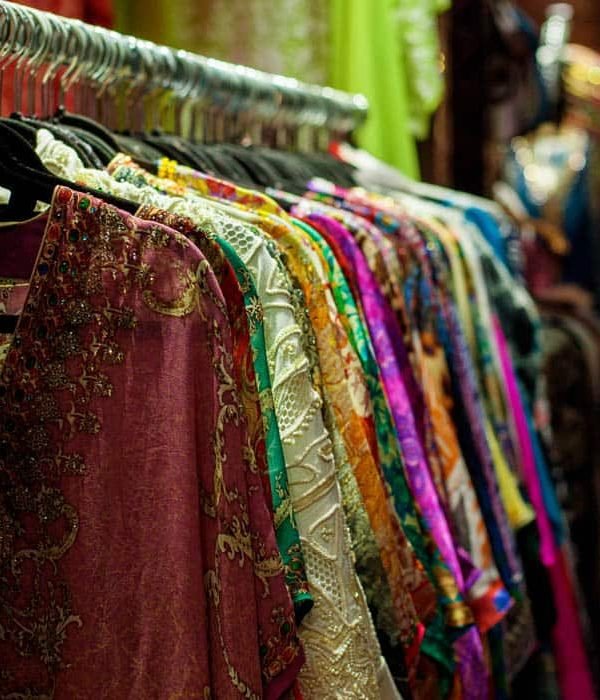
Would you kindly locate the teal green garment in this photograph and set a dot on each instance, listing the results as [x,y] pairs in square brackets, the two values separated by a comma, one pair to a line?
[288,539]
[367,56]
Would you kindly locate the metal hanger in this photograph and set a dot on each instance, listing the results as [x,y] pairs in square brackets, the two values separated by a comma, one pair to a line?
[133,84]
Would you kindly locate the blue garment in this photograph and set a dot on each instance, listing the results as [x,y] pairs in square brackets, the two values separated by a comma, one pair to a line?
[491,231]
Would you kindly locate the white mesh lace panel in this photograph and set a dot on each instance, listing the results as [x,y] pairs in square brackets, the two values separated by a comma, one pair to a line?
[326,573]
[239,239]
[293,406]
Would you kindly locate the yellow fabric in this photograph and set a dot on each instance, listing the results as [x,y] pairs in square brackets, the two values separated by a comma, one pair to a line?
[518,511]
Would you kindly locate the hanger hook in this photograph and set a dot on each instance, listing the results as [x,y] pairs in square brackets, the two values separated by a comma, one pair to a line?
[59,31]
[77,48]
[41,41]
[24,34]
[9,51]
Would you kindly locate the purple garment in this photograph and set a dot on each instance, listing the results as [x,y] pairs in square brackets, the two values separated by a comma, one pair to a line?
[394,364]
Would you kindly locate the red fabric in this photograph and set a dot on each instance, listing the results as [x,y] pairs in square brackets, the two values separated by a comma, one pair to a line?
[93,11]
[138,554]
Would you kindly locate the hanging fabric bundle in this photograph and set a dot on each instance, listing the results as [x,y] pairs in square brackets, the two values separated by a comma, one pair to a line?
[264,433]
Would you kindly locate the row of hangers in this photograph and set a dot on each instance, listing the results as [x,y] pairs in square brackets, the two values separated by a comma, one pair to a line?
[257,167]
[129,95]
[129,83]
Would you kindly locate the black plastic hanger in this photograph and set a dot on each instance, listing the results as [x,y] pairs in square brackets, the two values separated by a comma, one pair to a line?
[104,143]
[25,130]
[8,324]
[24,175]
[256,170]
[173,147]
[143,153]
[83,150]
[213,164]
[87,125]
[103,151]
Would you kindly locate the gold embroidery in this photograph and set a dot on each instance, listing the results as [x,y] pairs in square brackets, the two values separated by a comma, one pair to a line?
[237,541]
[280,648]
[183,305]
[283,512]
[206,289]
[5,342]
[50,384]
[227,411]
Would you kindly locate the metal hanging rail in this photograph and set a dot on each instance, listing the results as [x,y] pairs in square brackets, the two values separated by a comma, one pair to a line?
[73,52]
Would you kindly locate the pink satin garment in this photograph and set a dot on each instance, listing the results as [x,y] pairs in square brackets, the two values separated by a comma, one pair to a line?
[548,545]
[574,675]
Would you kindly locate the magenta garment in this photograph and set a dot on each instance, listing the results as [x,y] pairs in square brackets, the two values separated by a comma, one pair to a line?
[137,552]
[574,675]
[530,473]
[392,359]
[394,363]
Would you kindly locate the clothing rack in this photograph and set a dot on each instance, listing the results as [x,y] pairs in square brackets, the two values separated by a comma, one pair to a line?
[53,49]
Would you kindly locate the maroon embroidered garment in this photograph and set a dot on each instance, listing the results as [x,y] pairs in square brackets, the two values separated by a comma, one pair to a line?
[136,546]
